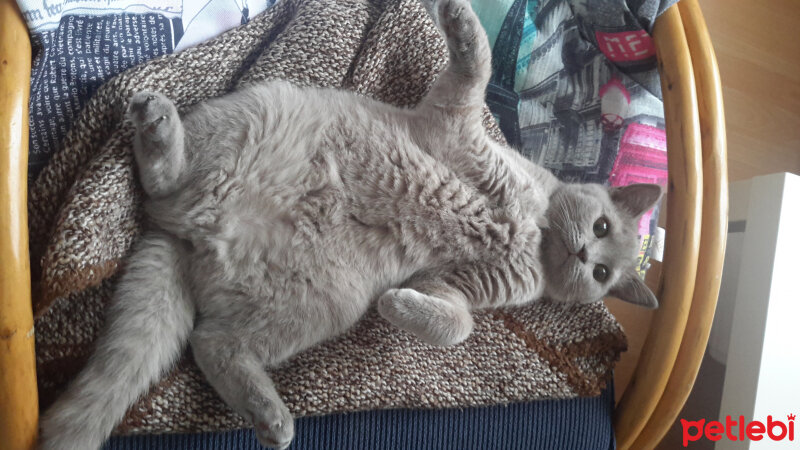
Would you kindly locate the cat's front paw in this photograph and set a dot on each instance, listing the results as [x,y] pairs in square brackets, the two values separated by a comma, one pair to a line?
[274,425]
[397,305]
[453,15]
[432,319]
[461,27]
[152,114]
[450,15]
[463,33]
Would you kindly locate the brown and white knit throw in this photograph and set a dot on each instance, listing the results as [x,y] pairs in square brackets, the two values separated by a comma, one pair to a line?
[84,215]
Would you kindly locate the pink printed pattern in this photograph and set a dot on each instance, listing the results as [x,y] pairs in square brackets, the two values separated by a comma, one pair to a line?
[626,45]
[642,158]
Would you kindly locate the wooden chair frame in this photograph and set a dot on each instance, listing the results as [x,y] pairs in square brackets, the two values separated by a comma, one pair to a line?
[688,290]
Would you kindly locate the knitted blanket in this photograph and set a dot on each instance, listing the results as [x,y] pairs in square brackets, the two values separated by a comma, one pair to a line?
[84,215]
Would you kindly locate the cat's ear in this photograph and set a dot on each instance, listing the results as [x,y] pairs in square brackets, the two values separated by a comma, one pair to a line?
[636,199]
[630,288]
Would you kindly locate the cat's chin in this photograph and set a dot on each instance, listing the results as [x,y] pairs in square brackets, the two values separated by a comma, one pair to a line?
[556,298]
[555,287]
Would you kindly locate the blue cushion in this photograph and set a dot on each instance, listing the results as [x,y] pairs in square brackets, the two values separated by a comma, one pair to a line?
[581,423]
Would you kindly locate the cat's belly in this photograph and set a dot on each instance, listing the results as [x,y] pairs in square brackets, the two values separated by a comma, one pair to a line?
[299,232]
[314,286]
[333,254]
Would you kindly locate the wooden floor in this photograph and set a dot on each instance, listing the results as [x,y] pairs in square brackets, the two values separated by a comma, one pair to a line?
[758,50]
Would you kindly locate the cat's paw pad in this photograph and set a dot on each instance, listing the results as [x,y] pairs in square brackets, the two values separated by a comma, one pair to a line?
[274,426]
[459,24]
[150,112]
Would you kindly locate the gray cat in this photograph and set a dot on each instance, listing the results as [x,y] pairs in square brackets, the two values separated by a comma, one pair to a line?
[279,214]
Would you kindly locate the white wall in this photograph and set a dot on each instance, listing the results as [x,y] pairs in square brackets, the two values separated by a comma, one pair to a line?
[762,376]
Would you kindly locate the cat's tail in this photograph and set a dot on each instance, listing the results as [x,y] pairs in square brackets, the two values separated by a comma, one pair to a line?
[147,326]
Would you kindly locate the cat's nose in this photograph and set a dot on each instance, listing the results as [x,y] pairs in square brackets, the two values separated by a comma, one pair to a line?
[582,254]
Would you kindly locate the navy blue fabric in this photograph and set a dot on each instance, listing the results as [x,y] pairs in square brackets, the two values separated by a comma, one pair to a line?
[581,423]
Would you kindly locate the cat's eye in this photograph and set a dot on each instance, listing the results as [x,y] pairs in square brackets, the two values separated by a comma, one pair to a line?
[600,273]
[601,227]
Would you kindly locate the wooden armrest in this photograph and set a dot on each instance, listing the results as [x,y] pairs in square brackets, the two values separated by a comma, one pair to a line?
[19,404]
[714,229]
[684,199]
[692,103]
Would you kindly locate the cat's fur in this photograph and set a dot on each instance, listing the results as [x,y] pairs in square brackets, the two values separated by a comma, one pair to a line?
[279,214]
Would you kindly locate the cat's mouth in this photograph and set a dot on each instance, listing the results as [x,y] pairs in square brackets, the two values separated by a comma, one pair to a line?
[562,252]
[565,252]
[558,250]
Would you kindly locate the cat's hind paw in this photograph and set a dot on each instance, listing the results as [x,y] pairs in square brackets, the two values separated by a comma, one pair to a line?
[157,142]
[153,115]
[274,426]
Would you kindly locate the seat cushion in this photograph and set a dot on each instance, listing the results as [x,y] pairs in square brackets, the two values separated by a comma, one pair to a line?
[580,423]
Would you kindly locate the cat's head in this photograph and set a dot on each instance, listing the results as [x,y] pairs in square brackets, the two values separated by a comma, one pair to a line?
[590,245]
